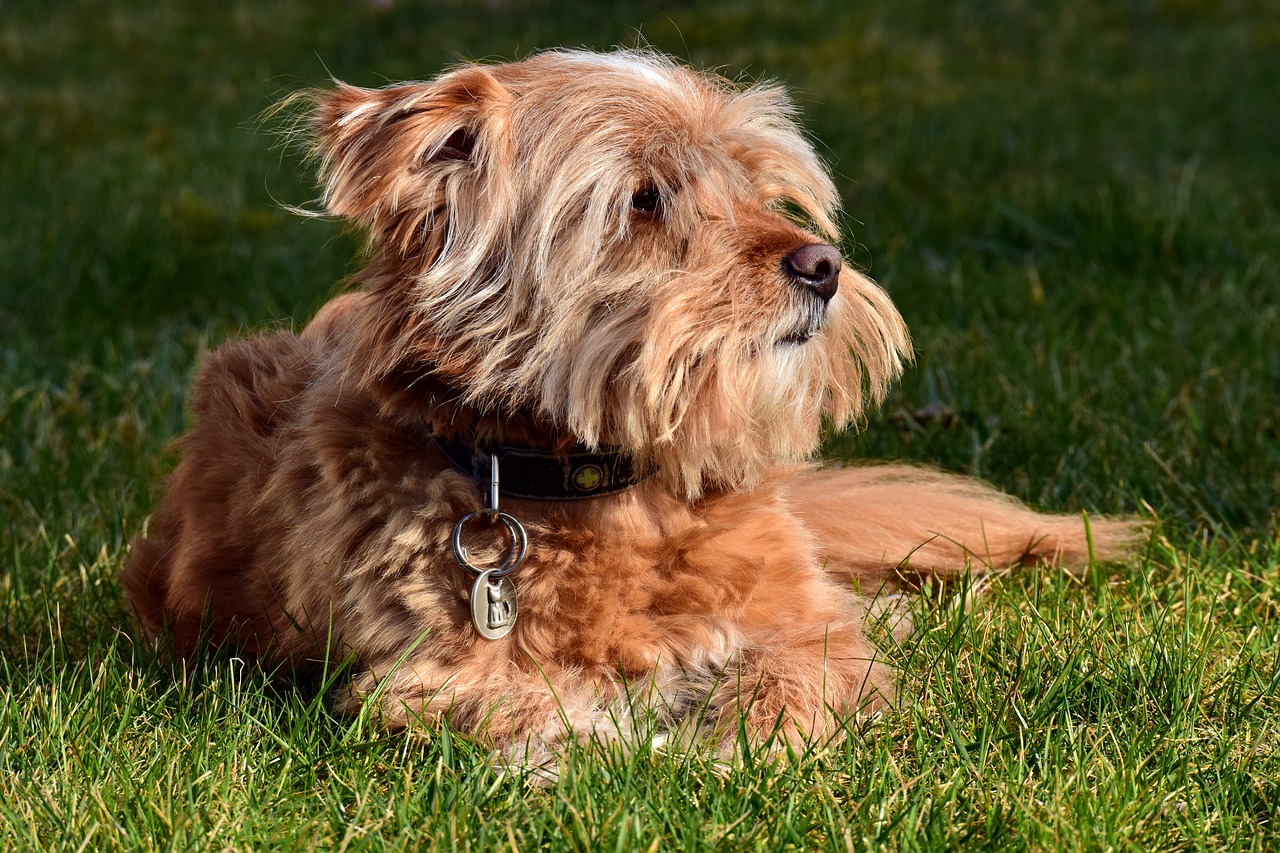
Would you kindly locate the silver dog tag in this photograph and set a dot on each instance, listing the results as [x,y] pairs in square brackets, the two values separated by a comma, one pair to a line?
[493,606]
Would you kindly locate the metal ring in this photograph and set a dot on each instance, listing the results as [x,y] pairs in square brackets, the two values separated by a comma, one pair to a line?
[515,556]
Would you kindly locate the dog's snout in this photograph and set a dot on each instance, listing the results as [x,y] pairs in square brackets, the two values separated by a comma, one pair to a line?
[815,267]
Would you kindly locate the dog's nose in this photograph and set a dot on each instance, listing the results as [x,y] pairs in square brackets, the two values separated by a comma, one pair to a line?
[815,268]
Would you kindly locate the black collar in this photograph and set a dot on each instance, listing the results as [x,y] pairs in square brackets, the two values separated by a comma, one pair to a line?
[545,475]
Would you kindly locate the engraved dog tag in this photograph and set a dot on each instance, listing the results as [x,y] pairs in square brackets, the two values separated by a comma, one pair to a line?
[493,606]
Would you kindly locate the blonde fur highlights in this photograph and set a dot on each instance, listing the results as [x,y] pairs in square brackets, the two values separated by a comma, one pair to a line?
[577,249]
[561,302]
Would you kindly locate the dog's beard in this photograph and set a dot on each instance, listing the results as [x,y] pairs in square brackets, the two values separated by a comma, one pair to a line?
[800,326]
[706,393]
[717,406]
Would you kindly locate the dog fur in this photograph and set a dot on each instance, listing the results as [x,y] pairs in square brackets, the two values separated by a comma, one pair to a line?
[576,249]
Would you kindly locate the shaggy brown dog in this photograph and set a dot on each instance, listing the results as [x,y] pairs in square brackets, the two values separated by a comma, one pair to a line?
[610,273]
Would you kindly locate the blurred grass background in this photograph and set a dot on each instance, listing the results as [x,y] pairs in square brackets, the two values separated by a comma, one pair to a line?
[1076,206]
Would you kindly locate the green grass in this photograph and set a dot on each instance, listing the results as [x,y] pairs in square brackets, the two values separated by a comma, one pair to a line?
[1077,207]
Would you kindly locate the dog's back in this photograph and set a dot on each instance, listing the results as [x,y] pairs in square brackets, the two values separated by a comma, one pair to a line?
[197,562]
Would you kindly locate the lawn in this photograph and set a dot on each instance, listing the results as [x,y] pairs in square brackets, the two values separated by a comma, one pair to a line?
[1076,206]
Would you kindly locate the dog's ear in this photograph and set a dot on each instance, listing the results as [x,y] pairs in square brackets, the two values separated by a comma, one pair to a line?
[387,154]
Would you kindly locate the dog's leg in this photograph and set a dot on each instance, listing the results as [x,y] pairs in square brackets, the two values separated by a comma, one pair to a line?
[792,655]
[523,712]
[879,523]
[800,684]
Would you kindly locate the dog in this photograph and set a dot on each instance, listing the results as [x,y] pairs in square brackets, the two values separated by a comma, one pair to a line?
[548,460]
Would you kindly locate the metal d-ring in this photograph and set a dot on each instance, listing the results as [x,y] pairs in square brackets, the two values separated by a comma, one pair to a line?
[519,539]
[493,596]
[515,555]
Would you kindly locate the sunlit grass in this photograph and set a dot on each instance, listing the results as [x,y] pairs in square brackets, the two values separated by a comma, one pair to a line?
[1074,204]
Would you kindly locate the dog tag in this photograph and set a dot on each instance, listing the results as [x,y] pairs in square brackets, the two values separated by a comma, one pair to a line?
[493,606]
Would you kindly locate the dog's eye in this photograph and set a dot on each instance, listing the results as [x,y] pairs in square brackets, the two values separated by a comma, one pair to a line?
[646,201]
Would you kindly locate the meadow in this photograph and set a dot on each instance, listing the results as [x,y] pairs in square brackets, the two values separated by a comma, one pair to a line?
[1076,205]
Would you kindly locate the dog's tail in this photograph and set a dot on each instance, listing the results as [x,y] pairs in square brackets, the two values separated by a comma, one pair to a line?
[887,523]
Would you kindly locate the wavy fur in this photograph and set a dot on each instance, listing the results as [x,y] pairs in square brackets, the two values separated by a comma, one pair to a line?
[574,249]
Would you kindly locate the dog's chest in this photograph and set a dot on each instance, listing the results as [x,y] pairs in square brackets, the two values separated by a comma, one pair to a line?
[689,597]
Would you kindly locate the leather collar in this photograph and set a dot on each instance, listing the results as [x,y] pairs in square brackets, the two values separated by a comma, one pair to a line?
[545,475]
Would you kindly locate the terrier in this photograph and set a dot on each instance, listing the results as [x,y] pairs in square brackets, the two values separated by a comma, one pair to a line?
[548,459]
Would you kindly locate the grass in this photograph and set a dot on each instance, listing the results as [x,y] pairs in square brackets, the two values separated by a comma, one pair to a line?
[1077,207]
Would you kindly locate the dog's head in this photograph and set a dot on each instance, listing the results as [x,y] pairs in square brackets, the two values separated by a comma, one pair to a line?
[632,252]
